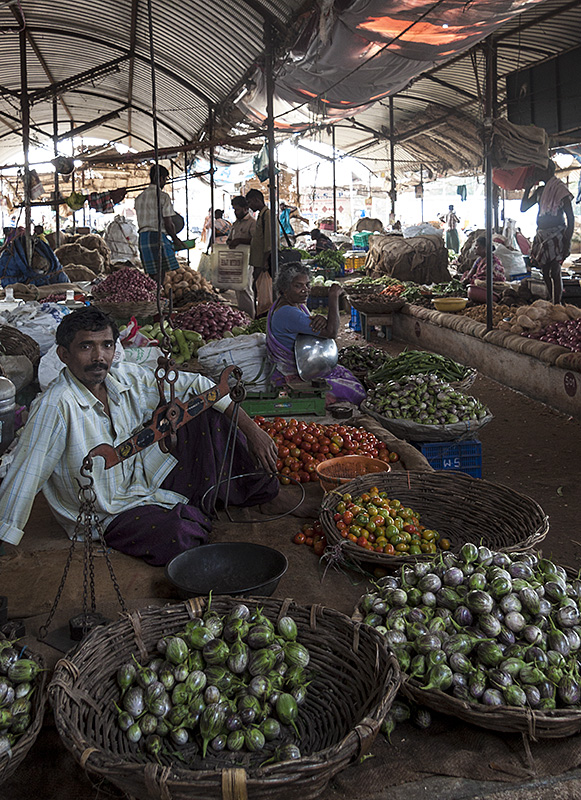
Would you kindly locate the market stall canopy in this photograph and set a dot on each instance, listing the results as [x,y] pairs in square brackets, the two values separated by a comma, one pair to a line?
[333,60]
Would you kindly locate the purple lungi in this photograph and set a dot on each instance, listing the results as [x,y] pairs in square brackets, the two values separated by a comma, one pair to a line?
[158,534]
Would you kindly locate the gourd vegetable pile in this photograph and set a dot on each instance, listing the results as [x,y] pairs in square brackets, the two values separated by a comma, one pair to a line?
[426,400]
[485,627]
[232,683]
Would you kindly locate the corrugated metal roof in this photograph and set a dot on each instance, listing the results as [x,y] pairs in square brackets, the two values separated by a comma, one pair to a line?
[202,51]
[455,89]
[205,51]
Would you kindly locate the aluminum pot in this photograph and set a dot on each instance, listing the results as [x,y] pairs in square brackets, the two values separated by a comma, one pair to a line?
[315,357]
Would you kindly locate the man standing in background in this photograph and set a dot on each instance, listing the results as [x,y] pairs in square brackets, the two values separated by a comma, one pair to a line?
[146,209]
[452,220]
[260,252]
[241,232]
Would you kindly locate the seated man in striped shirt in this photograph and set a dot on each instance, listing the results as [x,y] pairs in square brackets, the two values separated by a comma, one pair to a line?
[148,505]
[146,209]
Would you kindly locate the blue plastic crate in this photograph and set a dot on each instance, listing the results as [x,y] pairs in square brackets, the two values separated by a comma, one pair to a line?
[456,456]
[355,321]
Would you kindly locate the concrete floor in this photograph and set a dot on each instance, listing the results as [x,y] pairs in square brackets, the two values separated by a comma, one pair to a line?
[527,446]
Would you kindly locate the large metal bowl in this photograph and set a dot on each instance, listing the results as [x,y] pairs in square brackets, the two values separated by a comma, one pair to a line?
[233,568]
[315,357]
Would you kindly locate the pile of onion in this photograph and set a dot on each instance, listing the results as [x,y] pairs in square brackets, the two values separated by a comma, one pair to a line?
[211,320]
[567,334]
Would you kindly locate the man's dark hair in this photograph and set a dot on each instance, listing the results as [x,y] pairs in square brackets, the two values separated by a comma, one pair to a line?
[218,213]
[315,233]
[256,194]
[85,319]
[156,172]
[239,201]
[481,241]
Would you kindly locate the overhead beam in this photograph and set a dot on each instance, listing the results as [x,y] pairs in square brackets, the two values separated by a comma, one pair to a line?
[131,77]
[265,14]
[19,17]
[84,37]
[76,80]
[453,88]
[82,129]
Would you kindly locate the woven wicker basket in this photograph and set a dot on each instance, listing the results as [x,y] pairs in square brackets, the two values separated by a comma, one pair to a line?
[412,431]
[126,310]
[377,307]
[15,343]
[557,723]
[460,508]
[8,765]
[355,681]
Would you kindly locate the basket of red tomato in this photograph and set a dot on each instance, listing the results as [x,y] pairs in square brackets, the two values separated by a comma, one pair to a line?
[390,519]
[302,446]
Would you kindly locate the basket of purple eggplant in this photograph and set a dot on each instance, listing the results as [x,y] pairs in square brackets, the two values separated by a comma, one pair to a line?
[224,699]
[22,702]
[492,638]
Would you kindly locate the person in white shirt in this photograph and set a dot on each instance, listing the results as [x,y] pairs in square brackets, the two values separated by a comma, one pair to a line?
[148,504]
[148,210]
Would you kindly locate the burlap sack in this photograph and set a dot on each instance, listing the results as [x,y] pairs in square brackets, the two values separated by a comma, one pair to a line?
[77,254]
[77,272]
[24,291]
[569,361]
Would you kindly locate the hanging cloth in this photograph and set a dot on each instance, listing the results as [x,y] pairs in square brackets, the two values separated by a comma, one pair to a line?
[104,201]
[461,190]
[76,201]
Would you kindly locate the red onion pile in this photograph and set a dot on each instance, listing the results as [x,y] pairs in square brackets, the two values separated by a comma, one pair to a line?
[567,334]
[126,286]
[212,320]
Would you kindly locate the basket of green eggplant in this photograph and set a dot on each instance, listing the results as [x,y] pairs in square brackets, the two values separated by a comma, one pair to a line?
[492,638]
[220,697]
[22,702]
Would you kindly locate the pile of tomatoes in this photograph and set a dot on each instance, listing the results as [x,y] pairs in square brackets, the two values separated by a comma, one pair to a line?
[384,525]
[302,445]
[312,535]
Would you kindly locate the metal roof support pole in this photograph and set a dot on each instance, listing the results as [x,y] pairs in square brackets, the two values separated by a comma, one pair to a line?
[334,182]
[269,68]
[186,170]
[211,134]
[392,192]
[55,136]
[422,190]
[489,103]
[25,111]
[73,182]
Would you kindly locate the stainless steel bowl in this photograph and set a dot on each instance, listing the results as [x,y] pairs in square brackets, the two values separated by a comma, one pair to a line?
[315,358]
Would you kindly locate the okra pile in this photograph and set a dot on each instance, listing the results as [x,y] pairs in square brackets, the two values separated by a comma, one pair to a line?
[18,680]
[233,683]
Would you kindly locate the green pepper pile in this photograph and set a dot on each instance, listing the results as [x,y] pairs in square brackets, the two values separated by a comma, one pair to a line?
[232,683]
[362,359]
[414,362]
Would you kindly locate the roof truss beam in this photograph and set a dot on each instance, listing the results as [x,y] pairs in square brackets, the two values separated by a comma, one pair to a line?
[76,80]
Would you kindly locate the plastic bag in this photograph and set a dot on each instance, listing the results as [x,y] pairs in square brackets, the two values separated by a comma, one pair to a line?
[247,352]
[230,266]
[512,261]
[263,292]
[205,267]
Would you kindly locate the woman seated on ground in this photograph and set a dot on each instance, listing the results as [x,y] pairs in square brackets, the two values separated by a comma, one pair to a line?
[477,271]
[289,316]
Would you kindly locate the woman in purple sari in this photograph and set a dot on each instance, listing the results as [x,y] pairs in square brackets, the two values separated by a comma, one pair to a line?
[289,316]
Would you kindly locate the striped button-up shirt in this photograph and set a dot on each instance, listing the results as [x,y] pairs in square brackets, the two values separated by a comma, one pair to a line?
[65,423]
[146,208]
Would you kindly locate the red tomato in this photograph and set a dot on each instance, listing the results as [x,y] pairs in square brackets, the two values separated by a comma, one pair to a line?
[319,547]
[309,541]
[315,447]
[283,452]
[312,470]
[324,449]
[297,438]
[306,447]
[361,541]
[285,471]
[295,452]
[347,518]
[295,477]
[337,517]
[393,456]
[279,465]
[304,476]
[299,538]
[285,481]
[383,454]
[334,448]
[288,435]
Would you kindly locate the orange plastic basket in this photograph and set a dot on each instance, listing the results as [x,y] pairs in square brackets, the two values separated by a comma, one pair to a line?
[335,471]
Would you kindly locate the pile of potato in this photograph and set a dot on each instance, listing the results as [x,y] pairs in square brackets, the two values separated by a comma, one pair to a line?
[527,319]
[187,286]
[499,312]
